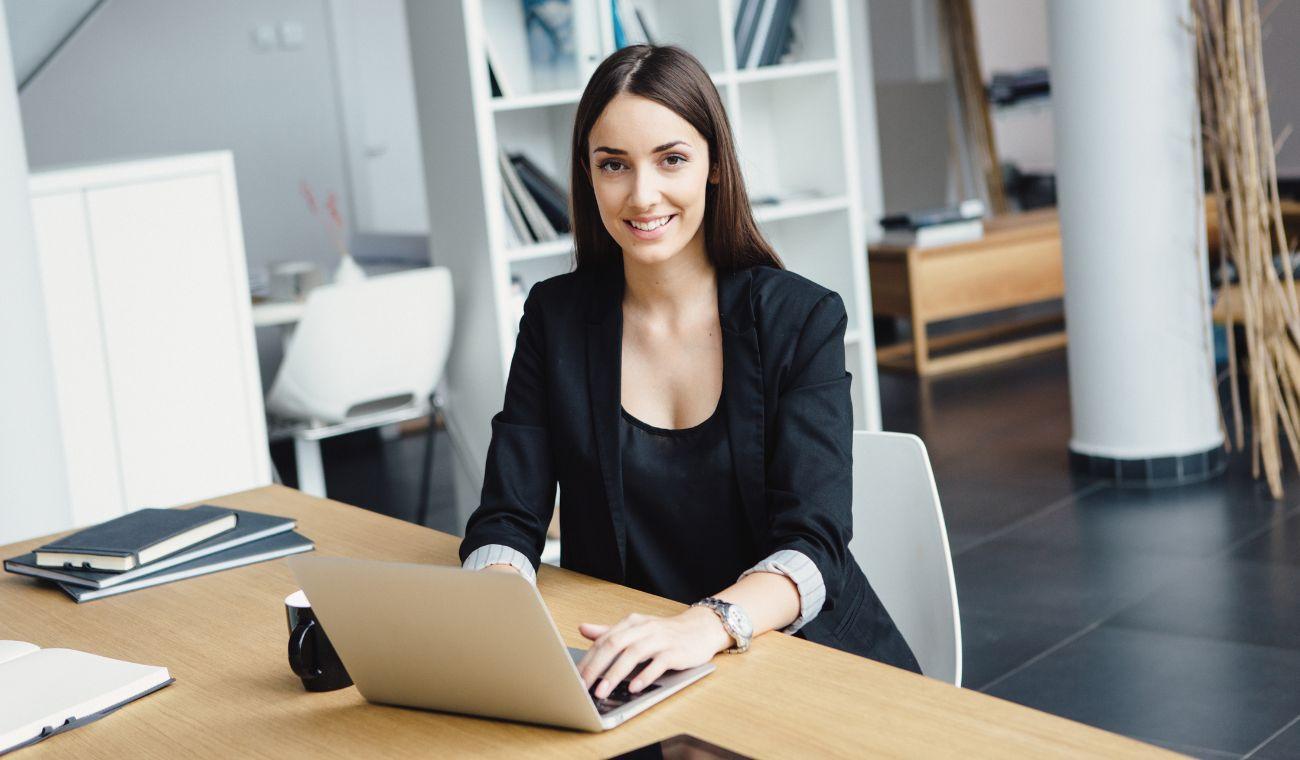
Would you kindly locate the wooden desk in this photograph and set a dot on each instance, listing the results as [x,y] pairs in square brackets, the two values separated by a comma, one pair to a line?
[1016,263]
[223,637]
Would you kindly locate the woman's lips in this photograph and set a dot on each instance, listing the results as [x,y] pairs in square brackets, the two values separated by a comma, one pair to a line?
[654,234]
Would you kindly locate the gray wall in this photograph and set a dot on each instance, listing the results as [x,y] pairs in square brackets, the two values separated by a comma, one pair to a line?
[911,94]
[36,27]
[148,77]
[1282,72]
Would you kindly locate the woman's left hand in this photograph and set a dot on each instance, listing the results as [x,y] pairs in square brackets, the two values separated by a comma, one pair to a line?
[682,641]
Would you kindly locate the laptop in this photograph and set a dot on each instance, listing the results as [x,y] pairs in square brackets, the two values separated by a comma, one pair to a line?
[462,641]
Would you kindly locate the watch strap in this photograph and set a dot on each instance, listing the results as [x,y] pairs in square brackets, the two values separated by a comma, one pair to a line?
[719,608]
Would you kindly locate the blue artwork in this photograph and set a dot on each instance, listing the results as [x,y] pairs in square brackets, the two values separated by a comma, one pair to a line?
[550,31]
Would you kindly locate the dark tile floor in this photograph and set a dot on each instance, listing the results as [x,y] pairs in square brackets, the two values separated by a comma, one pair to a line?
[1168,615]
[1172,615]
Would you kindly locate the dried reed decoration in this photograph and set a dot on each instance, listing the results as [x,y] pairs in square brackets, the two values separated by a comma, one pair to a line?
[1241,157]
[964,59]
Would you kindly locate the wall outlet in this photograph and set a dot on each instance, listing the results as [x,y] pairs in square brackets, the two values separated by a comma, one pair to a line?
[264,38]
[291,35]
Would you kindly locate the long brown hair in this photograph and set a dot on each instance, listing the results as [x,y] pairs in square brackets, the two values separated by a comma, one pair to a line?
[673,78]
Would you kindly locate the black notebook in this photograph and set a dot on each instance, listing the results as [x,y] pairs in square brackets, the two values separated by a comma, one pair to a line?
[252,526]
[279,545]
[550,197]
[135,539]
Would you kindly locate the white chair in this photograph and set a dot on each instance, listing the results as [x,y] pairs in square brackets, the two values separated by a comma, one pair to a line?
[900,541]
[365,354]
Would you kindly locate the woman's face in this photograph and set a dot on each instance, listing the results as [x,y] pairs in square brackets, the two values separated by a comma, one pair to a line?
[649,169]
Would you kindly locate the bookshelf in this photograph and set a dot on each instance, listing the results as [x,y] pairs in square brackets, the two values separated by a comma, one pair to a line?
[795,129]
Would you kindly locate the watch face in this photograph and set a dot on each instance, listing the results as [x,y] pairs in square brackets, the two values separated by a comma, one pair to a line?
[740,622]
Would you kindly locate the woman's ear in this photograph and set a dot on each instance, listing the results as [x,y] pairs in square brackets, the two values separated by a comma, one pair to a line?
[714,175]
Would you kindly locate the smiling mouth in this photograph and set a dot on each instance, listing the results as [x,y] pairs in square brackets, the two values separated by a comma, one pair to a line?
[651,227]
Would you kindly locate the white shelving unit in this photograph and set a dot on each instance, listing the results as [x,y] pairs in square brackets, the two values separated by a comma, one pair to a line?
[795,126]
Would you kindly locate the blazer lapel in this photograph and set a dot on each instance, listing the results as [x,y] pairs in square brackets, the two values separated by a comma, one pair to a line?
[604,380]
[742,376]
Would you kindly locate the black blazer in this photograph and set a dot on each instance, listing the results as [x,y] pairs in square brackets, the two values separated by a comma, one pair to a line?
[790,420]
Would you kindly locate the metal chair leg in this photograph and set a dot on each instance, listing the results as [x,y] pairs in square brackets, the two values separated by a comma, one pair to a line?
[426,475]
[311,472]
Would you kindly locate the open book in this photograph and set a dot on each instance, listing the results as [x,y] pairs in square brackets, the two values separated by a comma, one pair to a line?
[47,691]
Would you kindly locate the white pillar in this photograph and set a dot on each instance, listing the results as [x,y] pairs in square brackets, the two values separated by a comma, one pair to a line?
[33,484]
[1131,206]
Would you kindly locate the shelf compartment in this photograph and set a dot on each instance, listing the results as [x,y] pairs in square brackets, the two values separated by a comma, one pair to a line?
[542,134]
[790,137]
[812,38]
[520,73]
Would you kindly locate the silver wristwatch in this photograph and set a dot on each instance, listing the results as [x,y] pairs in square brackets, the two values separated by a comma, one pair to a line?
[734,620]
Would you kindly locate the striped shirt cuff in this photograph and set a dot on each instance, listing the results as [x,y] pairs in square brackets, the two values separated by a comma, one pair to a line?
[807,578]
[500,554]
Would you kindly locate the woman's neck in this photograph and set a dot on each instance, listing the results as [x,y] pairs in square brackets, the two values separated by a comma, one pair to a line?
[671,289]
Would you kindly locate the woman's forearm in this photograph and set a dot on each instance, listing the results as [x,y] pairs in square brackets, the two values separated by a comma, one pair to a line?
[770,599]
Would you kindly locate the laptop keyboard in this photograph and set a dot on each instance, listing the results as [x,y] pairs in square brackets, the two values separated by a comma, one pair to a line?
[620,695]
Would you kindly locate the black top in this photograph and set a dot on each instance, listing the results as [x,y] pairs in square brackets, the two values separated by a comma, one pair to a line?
[686,536]
[789,419]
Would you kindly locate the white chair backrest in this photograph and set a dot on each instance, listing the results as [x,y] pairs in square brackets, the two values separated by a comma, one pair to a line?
[900,541]
[378,339]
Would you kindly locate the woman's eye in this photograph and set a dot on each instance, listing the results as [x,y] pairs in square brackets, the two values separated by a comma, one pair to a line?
[610,165]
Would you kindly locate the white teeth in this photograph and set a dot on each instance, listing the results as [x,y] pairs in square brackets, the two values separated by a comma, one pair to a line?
[646,227]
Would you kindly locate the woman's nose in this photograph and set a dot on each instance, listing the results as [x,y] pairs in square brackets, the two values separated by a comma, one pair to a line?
[645,190]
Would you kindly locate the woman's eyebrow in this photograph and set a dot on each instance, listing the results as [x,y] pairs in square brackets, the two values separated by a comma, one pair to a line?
[660,149]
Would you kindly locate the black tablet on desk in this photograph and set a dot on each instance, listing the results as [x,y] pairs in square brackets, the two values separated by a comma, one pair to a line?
[682,747]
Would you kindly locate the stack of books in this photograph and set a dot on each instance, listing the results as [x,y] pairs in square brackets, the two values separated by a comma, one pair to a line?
[933,227]
[537,208]
[150,547]
[763,32]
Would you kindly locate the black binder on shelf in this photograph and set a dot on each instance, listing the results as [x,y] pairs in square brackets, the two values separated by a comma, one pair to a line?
[550,197]
[542,230]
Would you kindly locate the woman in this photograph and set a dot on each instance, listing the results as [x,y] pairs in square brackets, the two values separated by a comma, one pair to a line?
[688,394]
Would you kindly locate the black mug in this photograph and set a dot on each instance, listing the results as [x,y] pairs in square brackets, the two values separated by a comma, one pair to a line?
[311,655]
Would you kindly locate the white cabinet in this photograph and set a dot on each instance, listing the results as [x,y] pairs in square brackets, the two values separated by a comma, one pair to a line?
[146,296]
